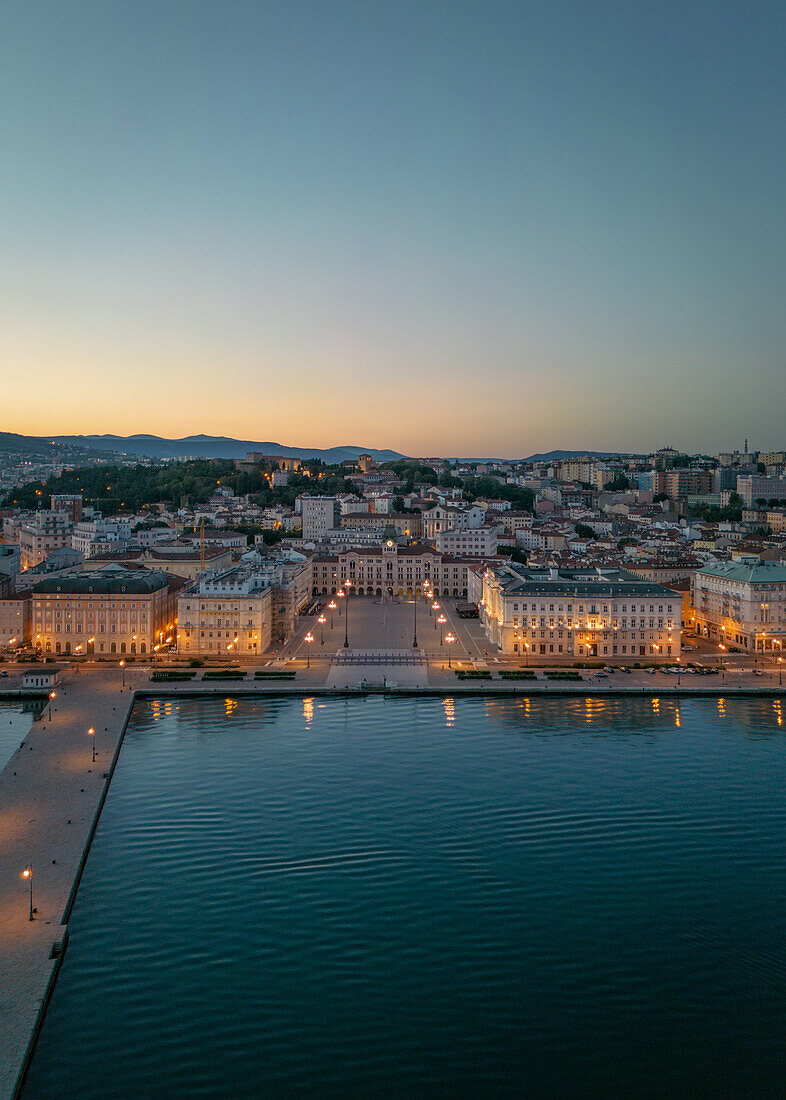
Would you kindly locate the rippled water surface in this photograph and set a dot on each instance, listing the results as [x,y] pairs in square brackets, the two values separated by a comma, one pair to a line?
[424,897]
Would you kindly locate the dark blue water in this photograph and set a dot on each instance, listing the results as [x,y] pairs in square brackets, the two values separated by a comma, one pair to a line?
[16,720]
[421,897]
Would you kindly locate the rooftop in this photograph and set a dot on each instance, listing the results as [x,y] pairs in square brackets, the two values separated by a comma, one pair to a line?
[762,572]
[105,582]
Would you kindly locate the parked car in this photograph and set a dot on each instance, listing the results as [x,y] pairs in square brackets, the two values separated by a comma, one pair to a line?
[601,676]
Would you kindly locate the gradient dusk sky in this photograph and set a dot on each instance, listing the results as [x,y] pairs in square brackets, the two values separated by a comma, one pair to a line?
[444,227]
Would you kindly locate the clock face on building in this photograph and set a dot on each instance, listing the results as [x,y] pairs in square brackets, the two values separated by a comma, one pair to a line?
[389,542]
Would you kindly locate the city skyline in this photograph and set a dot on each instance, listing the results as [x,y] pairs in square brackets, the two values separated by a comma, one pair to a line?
[497,230]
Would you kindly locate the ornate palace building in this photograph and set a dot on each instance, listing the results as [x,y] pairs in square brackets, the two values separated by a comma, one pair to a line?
[560,614]
[392,570]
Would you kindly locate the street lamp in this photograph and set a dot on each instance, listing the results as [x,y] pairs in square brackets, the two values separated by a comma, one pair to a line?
[441,620]
[331,608]
[321,620]
[780,671]
[526,648]
[52,695]
[309,638]
[28,874]
[415,620]
[123,670]
[92,733]
[449,639]
[347,585]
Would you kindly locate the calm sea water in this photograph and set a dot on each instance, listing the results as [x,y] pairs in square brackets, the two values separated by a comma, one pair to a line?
[423,897]
[16,720]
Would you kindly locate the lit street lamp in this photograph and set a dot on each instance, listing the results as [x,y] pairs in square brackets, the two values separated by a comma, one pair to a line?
[441,620]
[52,695]
[415,622]
[321,620]
[449,639]
[28,874]
[347,585]
[92,734]
[123,670]
[309,638]
[331,608]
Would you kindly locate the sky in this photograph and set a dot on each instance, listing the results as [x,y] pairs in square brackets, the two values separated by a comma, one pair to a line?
[443,227]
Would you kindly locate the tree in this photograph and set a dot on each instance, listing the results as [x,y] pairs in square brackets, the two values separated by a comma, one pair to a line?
[585,532]
[619,483]
[398,504]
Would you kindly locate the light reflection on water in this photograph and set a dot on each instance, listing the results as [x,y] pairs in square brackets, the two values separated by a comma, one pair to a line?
[422,896]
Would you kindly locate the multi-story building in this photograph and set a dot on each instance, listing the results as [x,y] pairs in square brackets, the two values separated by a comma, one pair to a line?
[179,559]
[14,621]
[319,515]
[90,537]
[557,615]
[108,612]
[576,469]
[48,531]
[471,542]
[751,488]
[514,521]
[776,521]
[69,503]
[226,614]
[10,561]
[451,517]
[405,524]
[392,570]
[742,604]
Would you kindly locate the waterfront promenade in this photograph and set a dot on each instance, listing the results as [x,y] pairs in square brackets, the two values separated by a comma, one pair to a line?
[51,791]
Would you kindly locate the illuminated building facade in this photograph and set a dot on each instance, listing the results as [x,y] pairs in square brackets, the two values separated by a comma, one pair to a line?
[556,615]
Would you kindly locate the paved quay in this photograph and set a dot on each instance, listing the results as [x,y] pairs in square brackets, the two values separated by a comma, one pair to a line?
[51,791]
[50,795]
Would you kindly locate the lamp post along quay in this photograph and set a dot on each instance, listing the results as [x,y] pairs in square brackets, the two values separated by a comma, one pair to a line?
[345,595]
[415,620]
[28,874]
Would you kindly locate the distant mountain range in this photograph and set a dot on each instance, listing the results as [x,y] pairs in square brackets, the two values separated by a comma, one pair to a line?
[67,447]
[215,446]
[51,448]
[556,456]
